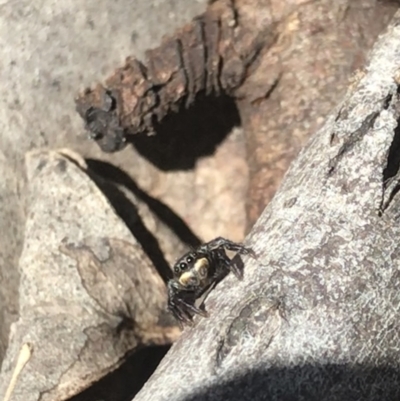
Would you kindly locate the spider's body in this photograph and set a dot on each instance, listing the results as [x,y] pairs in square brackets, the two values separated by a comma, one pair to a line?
[197,271]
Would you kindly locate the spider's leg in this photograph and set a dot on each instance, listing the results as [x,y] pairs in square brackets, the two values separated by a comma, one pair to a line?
[179,313]
[206,292]
[181,304]
[194,309]
[234,265]
[220,242]
[175,304]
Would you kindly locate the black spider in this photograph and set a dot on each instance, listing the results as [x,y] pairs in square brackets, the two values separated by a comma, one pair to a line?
[199,270]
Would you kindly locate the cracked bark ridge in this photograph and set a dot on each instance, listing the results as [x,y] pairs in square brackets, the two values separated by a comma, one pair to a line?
[317,315]
[210,55]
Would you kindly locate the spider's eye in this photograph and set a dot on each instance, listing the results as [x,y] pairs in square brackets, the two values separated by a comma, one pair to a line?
[182,266]
[176,269]
[189,259]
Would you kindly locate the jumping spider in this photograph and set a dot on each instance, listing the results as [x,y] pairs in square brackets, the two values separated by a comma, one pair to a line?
[198,271]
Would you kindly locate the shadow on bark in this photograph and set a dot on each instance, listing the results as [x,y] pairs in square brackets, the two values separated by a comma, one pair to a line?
[183,137]
[126,381]
[319,383]
[128,212]
[161,210]
[393,165]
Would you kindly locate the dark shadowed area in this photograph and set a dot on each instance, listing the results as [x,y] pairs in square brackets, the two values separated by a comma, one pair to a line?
[311,383]
[127,380]
[182,138]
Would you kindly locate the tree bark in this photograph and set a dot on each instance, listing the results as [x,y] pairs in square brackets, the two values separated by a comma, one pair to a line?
[317,314]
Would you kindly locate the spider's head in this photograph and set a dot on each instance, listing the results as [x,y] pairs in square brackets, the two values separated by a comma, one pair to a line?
[191,269]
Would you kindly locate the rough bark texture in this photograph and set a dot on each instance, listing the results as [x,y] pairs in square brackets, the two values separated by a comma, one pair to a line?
[164,210]
[298,80]
[89,295]
[317,315]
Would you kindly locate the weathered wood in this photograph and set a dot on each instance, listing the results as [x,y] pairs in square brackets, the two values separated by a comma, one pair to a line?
[270,57]
[211,55]
[317,315]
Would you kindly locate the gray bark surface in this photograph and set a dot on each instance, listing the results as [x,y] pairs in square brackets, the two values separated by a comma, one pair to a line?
[316,316]
[88,294]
